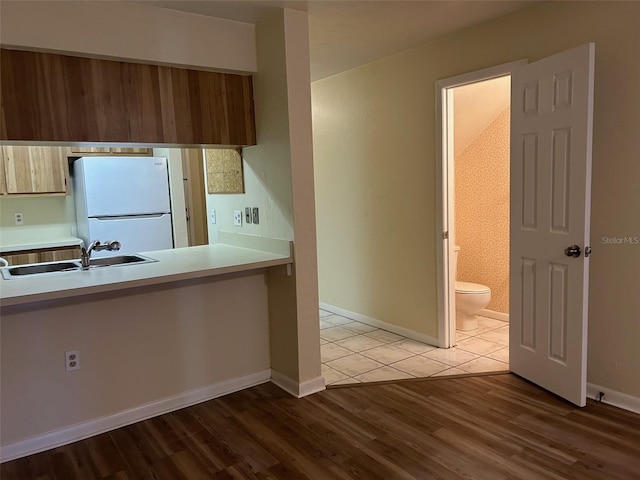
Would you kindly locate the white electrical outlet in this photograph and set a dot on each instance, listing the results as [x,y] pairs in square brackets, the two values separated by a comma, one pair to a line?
[18,218]
[212,216]
[72,360]
[237,218]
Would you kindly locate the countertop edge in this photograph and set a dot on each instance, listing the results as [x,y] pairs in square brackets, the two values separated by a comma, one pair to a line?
[142,282]
[13,248]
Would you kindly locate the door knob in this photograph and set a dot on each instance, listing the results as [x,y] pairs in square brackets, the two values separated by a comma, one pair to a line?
[572,251]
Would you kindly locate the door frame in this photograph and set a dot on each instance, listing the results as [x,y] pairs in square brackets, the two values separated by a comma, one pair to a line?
[194,192]
[445,210]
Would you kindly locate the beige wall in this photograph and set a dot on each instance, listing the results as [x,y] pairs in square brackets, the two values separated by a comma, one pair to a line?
[283,151]
[283,159]
[267,165]
[148,344]
[136,347]
[375,194]
[375,172]
[482,211]
[37,211]
[129,31]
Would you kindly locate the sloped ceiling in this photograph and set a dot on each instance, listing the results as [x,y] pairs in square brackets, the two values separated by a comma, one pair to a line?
[475,106]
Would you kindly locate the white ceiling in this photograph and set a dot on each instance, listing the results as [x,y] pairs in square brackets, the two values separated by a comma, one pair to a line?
[345,34]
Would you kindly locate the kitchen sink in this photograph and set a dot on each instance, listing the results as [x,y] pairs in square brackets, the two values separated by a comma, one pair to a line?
[22,271]
[42,268]
[119,260]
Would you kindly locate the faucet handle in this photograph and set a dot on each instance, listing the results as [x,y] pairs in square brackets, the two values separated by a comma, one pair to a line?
[114,245]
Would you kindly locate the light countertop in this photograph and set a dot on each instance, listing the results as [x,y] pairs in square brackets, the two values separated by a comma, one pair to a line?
[172,265]
[38,243]
[27,237]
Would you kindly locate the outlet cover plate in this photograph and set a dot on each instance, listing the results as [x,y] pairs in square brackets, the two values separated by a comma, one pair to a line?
[72,360]
[237,218]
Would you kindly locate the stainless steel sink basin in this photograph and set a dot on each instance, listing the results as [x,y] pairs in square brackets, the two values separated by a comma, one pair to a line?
[43,268]
[22,271]
[119,260]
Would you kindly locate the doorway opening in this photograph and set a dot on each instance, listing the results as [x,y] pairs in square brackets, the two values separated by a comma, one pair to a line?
[473,197]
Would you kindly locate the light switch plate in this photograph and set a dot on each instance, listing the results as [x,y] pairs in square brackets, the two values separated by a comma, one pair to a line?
[237,218]
[256,217]
[212,216]
[247,215]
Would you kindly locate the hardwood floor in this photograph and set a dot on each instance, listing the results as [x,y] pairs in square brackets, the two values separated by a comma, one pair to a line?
[488,427]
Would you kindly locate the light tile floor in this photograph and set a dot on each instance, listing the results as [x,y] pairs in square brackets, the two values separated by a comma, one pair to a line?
[353,352]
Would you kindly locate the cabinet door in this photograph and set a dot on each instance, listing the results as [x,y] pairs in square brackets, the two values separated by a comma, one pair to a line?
[131,151]
[107,151]
[3,181]
[60,254]
[22,258]
[35,170]
[41,255]
[93,150]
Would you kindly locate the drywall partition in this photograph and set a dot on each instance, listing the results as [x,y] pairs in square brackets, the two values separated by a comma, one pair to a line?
[301,145]
[375,161]
[278,174]
[185,341]
[143,351]
[281,167]
[129,31]
[267,165]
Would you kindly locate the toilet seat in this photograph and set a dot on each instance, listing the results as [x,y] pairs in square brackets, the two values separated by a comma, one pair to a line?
[468,287]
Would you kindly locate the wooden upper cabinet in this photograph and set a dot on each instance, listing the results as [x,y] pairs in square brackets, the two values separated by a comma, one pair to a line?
[131,151]
[142,151]
[57,98]
[34,170]
[91,150]
[3,181]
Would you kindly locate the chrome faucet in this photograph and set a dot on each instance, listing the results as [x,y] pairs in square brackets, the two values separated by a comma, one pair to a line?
[85,253]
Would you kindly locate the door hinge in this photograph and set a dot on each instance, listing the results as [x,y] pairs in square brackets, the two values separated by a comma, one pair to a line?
[445,235]
[587,251]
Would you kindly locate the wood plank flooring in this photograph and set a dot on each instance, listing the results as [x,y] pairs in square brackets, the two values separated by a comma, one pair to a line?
[486,428]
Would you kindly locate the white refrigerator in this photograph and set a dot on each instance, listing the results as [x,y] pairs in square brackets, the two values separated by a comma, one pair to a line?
[124,199]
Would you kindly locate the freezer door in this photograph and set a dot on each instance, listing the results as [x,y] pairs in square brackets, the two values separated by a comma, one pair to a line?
[116,186]
[136,234]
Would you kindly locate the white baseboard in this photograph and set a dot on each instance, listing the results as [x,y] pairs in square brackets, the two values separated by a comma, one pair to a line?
[84,430]
[296,389]
[492,314]
[380,324]
[612,397]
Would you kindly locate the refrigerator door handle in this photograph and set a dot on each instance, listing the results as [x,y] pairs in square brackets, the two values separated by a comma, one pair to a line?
[117,217]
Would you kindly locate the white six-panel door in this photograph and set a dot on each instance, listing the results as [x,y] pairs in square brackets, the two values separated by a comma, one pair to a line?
[551,132]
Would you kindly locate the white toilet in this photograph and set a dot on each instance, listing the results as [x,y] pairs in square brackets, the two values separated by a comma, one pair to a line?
[470,299]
